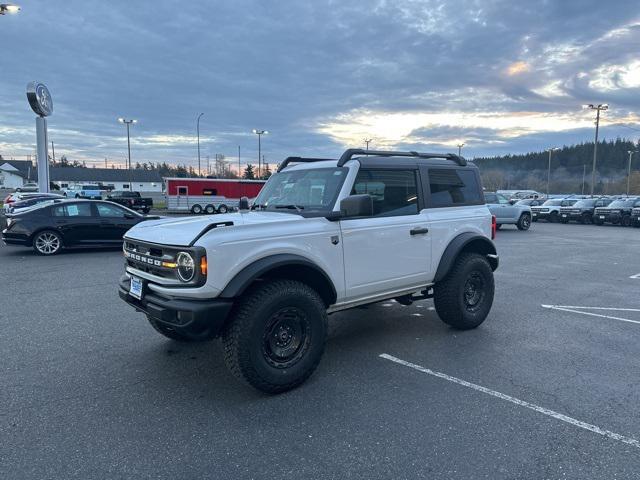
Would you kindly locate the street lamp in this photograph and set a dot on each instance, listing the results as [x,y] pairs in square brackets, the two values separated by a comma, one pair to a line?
[460,145]
[260,133]
[367,141]
[198,129]
[597,108]
[549,169]
[8,8]
[630,152]
[128,123]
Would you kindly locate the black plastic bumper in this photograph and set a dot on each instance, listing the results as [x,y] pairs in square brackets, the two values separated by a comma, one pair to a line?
[178,312]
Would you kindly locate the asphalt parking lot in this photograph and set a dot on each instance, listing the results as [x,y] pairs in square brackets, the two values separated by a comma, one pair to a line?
[547,387]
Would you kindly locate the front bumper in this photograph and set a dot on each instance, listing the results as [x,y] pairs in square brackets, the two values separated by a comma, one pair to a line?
[178,312]
[607,217]
[540,215]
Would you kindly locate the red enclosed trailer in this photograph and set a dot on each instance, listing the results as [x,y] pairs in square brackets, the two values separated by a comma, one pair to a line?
[208,195]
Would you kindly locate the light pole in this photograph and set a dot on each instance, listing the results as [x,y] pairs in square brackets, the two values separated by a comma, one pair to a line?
[460,145]
[549,169]
[128,123]
[8,8]
[198,130]
[260,133]
[367,141]
[597,108]
[630,152]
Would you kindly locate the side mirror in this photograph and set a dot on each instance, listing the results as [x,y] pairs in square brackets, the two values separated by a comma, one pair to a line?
[357,206]
[243,204]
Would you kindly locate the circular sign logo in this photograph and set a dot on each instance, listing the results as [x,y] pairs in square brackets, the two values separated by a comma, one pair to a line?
[40,99]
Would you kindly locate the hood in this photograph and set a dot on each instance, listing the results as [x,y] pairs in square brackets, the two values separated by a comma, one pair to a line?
[182,231]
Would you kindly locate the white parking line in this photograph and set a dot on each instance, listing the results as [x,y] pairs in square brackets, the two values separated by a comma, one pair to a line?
[637,275]
[516,401]
[573,309]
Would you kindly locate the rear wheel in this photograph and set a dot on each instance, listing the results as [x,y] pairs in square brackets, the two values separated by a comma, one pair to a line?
[464,298]
[277,336]
[223,209]
[210,209]
[625,221]
[524,222]
[181,334]
[196,209]
[47,242]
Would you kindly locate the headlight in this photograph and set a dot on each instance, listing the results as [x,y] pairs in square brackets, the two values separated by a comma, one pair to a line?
[186,266]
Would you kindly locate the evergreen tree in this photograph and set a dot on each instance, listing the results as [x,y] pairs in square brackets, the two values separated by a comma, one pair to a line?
[248,172]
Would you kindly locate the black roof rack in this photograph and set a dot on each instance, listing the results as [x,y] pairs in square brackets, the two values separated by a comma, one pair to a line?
[351,152]
[289,160]
[348,154]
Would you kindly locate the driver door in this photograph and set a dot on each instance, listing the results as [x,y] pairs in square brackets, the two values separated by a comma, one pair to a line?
[391,249]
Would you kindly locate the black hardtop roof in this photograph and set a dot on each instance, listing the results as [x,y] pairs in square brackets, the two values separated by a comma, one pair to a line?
[388,159]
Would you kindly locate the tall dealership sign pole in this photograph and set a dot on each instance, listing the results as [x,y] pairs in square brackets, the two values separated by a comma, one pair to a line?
[42,104]
[598,108]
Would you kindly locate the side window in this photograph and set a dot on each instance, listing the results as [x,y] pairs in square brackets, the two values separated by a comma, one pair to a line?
[110,211]
[502,200]
[78,210]
[58,211]
[394,192]
[453,187]
[490,198]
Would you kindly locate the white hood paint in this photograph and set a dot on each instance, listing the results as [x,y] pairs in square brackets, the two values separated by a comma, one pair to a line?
[181,231]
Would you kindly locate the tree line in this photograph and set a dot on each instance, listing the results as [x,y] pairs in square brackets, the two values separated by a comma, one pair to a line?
[571,168]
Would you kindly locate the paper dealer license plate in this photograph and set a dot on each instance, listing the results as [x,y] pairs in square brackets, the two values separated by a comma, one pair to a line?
[135,290]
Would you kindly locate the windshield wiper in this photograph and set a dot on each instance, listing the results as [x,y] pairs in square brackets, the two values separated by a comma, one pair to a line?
[291,207]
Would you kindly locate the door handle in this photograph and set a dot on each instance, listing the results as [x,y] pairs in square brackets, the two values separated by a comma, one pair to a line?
[419,231]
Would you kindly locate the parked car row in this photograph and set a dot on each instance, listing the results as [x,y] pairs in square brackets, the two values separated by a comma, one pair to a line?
[623,211]
[61,223]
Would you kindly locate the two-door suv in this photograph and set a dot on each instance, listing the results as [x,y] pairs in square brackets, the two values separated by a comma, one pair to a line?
[322,236]
[617,212]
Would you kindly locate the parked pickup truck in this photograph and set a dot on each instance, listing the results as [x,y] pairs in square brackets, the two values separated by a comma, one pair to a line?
[131,200]
[93,192]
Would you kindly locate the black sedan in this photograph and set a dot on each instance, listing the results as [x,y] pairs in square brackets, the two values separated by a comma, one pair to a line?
[70,224]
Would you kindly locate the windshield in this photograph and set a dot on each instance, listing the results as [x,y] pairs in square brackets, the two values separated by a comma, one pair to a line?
[585,203]
[553,202]
[621,204]
[302,190]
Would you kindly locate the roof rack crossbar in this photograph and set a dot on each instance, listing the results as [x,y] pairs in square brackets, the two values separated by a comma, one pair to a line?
[350,153]
[289,160]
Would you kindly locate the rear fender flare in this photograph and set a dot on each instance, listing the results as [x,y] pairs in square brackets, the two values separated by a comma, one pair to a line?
[465,242]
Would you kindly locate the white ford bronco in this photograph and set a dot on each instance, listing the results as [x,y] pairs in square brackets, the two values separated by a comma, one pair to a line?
[322,236]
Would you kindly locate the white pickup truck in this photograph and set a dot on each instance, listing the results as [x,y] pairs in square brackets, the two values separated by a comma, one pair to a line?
[322,236]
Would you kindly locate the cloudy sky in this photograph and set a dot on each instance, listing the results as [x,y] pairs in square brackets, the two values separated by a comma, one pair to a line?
[500,76]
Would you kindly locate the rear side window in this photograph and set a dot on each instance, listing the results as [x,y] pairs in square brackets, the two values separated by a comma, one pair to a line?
[58,211]
[78,210]
[450,187]
[490,198]
[394,192]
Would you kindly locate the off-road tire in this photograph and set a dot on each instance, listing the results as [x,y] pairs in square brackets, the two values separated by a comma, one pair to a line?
[196,209]
[625,221]
[450,294]
[248,336]
[586,219]
[553,217]
[47,243]
[181,334]
[524,222]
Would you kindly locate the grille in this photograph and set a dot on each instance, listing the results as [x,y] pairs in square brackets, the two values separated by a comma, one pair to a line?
[149,258]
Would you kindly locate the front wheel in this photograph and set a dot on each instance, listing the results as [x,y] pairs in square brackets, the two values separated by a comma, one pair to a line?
[276,336]
[464,298]
[524,222]
[586,219]
[554,217]
[47,243]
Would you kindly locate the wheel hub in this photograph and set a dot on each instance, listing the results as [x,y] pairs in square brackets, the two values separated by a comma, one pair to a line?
[286,337]
[473,290]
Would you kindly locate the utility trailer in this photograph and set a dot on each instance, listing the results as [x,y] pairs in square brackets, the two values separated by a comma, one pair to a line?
[208,195]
